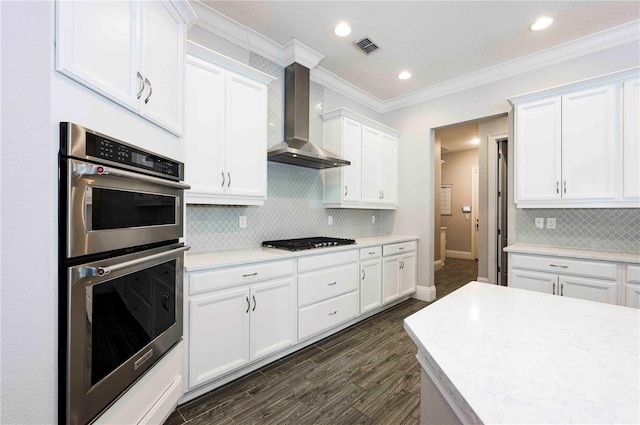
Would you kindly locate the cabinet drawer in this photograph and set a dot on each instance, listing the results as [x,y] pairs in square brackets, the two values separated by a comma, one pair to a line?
[324,284]
[327,314]
[398,248]
[221,278]
[565,266]
[315,262]
[633,274]
[371,252]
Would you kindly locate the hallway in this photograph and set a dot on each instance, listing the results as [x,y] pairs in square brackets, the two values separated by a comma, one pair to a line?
[453,275]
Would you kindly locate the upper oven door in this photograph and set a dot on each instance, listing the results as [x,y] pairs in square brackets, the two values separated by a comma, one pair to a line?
[110,209]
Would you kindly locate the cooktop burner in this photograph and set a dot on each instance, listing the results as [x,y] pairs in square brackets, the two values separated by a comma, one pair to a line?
[307,243]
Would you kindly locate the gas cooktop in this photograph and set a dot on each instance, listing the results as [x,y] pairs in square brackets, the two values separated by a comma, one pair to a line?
[307,243]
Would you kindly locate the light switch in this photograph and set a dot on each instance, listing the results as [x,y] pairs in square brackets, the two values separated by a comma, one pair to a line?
[242,221]
[551,223]
[330,220]
[373,219]
[539,223]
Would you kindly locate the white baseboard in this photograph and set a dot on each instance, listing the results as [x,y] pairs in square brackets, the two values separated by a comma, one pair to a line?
[437,265]
[459,254]
[482,279]
[425,293]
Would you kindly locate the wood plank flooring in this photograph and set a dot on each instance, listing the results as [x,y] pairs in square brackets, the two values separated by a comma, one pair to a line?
[365,374]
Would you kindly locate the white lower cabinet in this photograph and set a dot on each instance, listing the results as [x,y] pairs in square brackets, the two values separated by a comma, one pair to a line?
[587,280]
[228,328]
[398,271]
[632,285]
[370,279]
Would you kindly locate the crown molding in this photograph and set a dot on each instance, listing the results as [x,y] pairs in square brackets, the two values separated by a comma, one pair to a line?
[245,37]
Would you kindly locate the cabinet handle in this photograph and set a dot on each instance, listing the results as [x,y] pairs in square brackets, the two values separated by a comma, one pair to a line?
[254,303]
[383,194]
[146,80]
[379,194]
[363,274]
[332,283]
[248,304]
[372,252]
[142,85]
[346,190]
[565,186]
[554,288]
[229,183]
[557,186]
[334,312]
[401,248]
[223,178]
[558,265]
[250,274]
[562,289]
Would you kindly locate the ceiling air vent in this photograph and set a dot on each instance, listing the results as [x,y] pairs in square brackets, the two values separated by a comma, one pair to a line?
[366,45]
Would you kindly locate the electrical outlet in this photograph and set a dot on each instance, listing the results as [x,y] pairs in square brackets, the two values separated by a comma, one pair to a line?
[330,220]
[551,223]
[373,219]
[242,221]
[539,223]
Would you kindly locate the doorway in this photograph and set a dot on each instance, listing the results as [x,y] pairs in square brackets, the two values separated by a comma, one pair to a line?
[502,182]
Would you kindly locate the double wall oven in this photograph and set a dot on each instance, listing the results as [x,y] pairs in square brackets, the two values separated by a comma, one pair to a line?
[120,267]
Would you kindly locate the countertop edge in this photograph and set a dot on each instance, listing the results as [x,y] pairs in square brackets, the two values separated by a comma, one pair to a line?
[218,259]
[587,254]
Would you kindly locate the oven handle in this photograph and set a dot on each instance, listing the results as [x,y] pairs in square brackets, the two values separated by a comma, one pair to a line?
[101,170]
[104,271]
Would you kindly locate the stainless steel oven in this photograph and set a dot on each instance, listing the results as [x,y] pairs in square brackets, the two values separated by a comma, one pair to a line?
[121,267]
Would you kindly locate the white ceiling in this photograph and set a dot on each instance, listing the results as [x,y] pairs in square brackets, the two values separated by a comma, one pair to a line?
[435,40]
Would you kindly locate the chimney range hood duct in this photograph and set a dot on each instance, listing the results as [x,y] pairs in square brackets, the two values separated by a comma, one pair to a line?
[296,148]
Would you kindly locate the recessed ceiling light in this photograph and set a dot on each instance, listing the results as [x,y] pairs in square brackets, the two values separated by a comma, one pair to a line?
[404,75]
[475,141]
[541,23]
[342,29]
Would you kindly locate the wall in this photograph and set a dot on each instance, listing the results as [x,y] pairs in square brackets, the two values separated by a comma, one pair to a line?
[416,147]
[437,172]
[293,207]
[456,171]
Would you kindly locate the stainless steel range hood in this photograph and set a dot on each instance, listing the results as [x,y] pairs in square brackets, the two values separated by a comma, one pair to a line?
[296,148]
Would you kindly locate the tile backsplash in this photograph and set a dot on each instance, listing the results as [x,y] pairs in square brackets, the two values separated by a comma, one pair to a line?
[294,194]
[612,229]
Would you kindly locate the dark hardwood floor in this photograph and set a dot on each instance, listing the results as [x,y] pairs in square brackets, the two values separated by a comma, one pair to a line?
[365,374]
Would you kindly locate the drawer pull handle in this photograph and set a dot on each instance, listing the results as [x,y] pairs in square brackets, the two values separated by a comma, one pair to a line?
[557,265]
[332,283]
[250,274]
[248,304]
[331,314]
[401,248]
[372,252]
[554,288]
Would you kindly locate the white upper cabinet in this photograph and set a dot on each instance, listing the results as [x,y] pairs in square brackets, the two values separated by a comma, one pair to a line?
[225,131]
[631,139]
[589,144]
[129,52]
[576,146]
[371,180]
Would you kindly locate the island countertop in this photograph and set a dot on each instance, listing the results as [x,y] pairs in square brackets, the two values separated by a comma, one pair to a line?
[505,355]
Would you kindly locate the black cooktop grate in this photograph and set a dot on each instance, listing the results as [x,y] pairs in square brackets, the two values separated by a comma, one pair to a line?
[307,243]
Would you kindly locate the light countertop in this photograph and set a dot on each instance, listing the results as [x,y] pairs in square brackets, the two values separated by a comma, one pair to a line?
[587,254]
[207,260]
[506,355]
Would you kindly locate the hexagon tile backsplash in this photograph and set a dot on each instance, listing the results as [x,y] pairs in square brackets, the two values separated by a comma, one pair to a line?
[611,229]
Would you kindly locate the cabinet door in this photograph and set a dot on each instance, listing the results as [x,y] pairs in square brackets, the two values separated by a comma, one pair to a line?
[388,169]
[633,295]
[162,64]
[96,44]
[538,150]
[371,191]
[589,144]
[533,281]
[218,334]
[273,317]
[390,278]
[370,285]
[631,140]
[351,151]
[408,274]
[589,289]
[204,130]
[246,137]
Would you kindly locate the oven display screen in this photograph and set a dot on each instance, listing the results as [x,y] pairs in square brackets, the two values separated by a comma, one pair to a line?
[143,160]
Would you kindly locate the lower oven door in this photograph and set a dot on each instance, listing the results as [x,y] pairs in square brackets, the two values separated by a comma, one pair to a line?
[109,209]
[124,313]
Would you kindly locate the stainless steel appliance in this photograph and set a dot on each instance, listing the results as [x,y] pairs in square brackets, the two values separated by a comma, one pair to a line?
[120,267]
[307,243]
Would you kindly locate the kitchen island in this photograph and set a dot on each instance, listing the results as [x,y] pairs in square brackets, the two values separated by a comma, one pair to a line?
[493,354]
